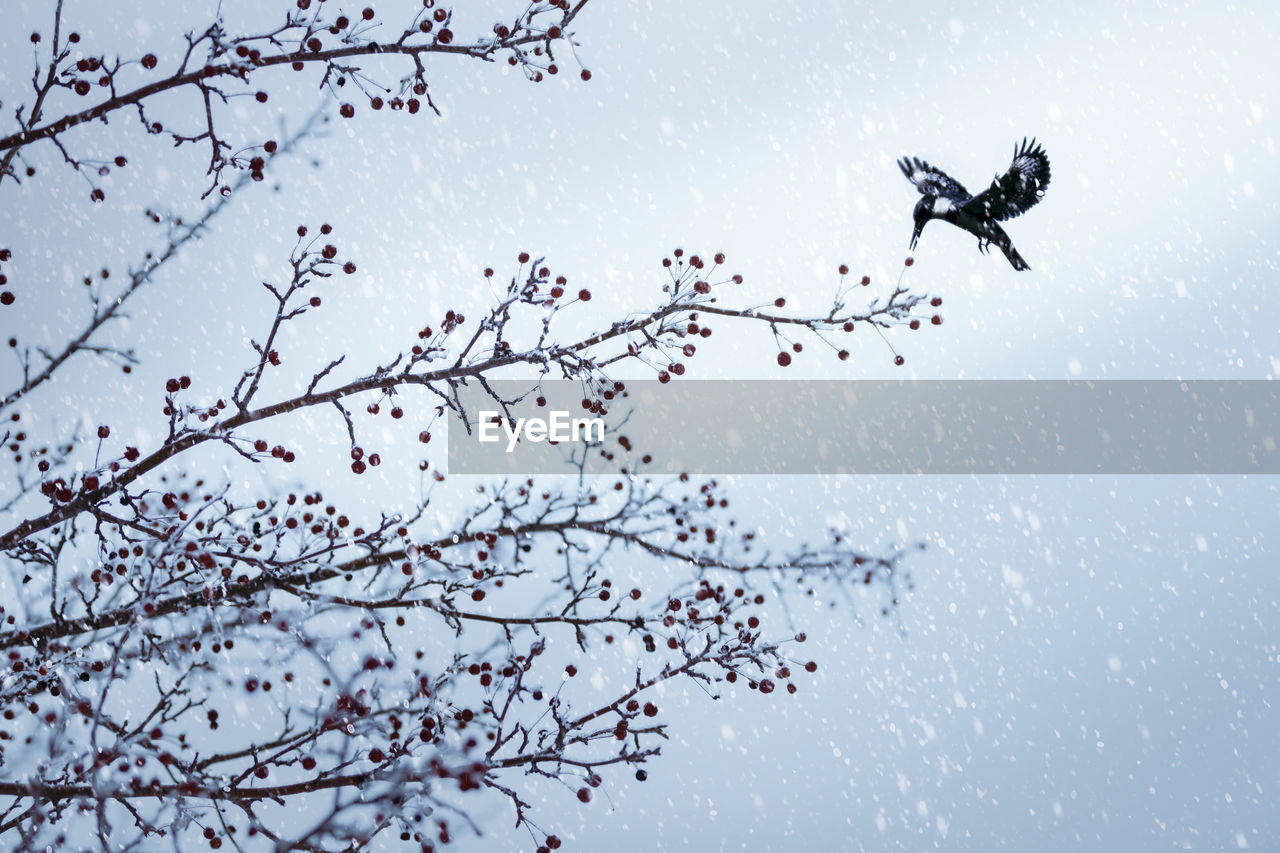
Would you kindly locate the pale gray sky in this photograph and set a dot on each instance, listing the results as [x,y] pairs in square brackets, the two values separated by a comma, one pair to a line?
[1087,663]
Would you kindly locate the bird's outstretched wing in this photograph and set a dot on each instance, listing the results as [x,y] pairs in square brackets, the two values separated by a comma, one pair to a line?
[1018,189]
[932,181]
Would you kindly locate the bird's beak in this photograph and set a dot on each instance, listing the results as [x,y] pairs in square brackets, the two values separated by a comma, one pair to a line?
[915,235]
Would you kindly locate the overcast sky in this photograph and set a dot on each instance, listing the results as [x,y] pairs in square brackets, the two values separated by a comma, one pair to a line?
[1087,663]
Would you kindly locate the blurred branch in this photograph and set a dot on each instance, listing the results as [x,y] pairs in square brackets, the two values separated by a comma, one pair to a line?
[104,313]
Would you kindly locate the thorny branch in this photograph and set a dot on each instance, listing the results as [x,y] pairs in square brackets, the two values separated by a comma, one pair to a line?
[183,574]
[392,658]
[312,34]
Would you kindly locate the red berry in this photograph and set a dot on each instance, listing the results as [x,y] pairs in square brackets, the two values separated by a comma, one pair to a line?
[899,360]
[260,97]
[909,261]
[367,14]
[585,75]
[784,358]
[347,111]
[149,61]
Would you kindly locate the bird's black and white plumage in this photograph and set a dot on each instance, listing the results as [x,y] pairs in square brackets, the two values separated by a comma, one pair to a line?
[1009,195]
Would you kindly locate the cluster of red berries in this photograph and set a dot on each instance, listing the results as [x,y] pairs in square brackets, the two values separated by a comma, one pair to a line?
[277,452]
[6,296]
[358,458]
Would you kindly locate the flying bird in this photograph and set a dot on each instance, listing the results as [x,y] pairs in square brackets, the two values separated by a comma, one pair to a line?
[1009,195]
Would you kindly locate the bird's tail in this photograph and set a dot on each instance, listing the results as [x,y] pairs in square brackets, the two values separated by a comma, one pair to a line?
[997,235]
[1014,258]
